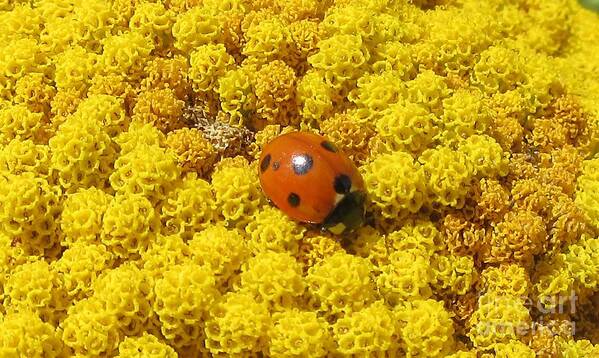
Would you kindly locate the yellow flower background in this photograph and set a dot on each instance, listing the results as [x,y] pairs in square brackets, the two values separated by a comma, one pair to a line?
[132,222]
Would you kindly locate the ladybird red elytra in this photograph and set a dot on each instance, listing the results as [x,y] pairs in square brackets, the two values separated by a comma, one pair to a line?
[312,181]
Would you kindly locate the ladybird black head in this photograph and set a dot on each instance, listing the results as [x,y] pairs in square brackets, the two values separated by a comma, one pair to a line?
[329,146]
[348,214]
[302,163]
[293,199]
[265,163]
[342,184]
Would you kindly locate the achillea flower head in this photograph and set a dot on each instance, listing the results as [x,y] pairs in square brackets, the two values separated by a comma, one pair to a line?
[24,333]
[140,134]
[19,156]
[273,278]
[164,252]
[90,329]
[314,249]
[275,95]
[349,134]
[395,183]
[268,40]
[426,328]
[342,58]
[170,73]
[405,127]
[220,249]
[149,170]
[147,345]
[238,195]
[316,97]
[75,69]
[195,27]
[132,220]
[80,266]
[35,287]
[405,277]
[340,283]
[83,153]
[298,333]
[236,95]
[194,152]
[183,314]
[514,349]
[237,323]
[518,238]
[19,122]
[126,53]
[155,22]
[370,330]
[498,319]
[270,229]
[109,111]
[448,175]
[586,197]
[129,225]
[126,293]
[207,64]
[189,208]
[30,213]
[36,92]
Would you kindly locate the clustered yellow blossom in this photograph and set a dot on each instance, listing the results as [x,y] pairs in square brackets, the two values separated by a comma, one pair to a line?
[132,220]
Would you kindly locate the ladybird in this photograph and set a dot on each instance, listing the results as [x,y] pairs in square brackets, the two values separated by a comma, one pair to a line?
[312,181]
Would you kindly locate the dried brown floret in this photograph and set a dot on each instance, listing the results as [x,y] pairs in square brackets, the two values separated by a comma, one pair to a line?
[567,111]
[463,237]
[562,123]
[521,165]
[160,107]
[532,195]
[305,35]
[170,73]
[543,341]
[508,132]
[227,140]
[463,306]
[493,200]
[517,239]
[548,134]
[566,221]
[563,168]
[350,135]
[559,324]
[275,90]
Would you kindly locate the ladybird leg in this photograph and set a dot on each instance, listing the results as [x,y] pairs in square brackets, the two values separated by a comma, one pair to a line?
[369,218]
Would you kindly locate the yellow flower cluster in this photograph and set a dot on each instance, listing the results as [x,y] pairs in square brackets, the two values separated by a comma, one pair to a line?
[132,220]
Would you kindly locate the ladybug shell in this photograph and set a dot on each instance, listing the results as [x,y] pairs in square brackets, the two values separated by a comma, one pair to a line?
[306,176]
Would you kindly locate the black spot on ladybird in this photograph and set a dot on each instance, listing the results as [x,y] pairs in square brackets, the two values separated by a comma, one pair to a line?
[276,165]
[265,163]
[302,163]
[342,184]
[293,199]
[329,146]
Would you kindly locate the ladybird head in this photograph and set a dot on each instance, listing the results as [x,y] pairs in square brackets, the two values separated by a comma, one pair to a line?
[348,214]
